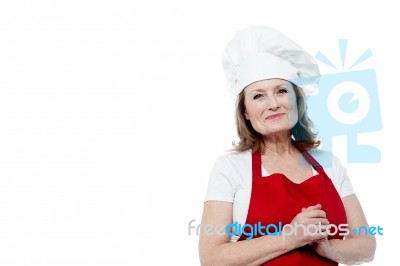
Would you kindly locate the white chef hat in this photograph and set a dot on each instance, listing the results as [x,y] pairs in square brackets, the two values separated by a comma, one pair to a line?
[258,52]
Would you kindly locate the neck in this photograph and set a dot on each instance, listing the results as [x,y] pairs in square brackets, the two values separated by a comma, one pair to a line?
[281,144]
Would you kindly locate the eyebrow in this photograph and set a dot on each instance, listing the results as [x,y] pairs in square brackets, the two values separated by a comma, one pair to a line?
[275,87]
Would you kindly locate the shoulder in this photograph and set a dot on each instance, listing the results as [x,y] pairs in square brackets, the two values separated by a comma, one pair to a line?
[326,158]
[234,157]
[335,170]
[230,172]
[233,160]
[331,163]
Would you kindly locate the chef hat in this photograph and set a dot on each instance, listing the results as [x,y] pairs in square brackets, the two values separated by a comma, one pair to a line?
[258,52]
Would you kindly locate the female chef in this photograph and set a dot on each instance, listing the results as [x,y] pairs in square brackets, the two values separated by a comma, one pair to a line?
[281,200]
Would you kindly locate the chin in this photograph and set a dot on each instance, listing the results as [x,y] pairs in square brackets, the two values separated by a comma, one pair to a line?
[277,131]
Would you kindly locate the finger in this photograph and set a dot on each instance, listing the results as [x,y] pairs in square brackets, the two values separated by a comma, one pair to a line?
[319,240]
[316,238]
[315,207]
[317,221]
[324,227]
[314,214]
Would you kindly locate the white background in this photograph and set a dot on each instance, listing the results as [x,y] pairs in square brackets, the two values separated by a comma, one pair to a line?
[113,112]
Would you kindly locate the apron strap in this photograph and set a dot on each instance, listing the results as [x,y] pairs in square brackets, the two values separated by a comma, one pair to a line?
[256,164]
[311,160]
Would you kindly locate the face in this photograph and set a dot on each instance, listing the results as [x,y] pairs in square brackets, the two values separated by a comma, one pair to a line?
[271,106]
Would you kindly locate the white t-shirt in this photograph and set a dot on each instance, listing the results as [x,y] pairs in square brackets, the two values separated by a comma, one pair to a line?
[231,179]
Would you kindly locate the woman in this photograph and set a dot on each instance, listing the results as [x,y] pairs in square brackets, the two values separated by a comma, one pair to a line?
[293,210]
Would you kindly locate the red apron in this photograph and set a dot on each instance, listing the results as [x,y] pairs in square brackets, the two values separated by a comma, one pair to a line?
[276,199]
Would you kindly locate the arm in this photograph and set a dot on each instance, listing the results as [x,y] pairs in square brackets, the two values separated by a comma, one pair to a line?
[354,249]
[216,249]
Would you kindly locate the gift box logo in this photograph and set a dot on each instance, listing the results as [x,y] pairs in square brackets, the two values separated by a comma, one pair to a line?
[347,104]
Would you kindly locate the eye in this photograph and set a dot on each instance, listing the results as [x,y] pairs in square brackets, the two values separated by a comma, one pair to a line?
[257,96]
[282,90]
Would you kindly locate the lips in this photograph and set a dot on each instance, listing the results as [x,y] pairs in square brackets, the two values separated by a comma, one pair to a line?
[275,116]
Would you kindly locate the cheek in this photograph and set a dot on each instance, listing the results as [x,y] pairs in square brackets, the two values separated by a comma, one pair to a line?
[251,110]
[292,101]
[294,114]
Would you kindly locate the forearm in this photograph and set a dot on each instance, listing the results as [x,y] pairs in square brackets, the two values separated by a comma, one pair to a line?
[354,250]
[248,252]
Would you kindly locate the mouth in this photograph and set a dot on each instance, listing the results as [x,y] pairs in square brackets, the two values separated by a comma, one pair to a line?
[275,116]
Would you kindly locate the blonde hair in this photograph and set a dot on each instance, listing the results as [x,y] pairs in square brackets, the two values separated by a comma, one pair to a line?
[304,137]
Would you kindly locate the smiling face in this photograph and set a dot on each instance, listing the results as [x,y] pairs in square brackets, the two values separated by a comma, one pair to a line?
[271,106]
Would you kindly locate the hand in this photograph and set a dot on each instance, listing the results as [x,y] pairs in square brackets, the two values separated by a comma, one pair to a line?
[313,215]
[323,247]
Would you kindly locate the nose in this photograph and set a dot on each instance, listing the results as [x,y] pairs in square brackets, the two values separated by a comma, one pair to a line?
[272,103]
